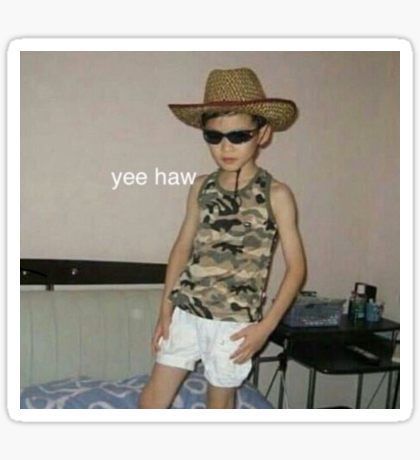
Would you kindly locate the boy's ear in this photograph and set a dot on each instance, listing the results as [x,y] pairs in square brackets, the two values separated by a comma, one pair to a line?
[265,134]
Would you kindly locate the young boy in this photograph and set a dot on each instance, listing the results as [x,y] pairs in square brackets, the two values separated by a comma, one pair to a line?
[218,267]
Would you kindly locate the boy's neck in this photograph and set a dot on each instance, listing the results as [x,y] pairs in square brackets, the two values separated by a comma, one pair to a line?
[247,172]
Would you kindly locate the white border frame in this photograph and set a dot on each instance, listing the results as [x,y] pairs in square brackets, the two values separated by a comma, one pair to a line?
[210,44]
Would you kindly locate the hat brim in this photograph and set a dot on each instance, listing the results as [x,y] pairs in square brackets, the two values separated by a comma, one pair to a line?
[280,113]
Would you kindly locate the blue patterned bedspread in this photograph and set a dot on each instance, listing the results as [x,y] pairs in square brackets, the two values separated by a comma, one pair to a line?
[87,393]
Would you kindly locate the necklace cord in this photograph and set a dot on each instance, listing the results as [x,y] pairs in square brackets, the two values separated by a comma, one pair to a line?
[237,180]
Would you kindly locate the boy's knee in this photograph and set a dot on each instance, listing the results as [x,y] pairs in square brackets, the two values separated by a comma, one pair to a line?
[220,405]
[218,398]
[148,400]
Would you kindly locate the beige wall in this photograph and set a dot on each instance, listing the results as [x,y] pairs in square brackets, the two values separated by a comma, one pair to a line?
[87,114]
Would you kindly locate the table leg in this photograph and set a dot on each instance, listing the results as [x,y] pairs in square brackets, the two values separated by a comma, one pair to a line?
[359,391]
[390,378]
[281,391]
[311,389]
[389,390]
[282,370]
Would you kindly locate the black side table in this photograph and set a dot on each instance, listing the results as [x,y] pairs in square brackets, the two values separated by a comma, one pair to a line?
[324,349]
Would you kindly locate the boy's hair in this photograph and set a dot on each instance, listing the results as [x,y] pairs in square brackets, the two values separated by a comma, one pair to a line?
[259,120]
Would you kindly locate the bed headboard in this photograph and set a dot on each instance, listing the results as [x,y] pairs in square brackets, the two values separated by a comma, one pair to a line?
[104,332]
[49,272]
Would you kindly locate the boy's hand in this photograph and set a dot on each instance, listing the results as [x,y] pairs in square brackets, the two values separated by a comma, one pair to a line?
[161,330]
[255,336]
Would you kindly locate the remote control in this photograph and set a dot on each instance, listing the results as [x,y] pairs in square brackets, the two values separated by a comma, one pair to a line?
[366,355]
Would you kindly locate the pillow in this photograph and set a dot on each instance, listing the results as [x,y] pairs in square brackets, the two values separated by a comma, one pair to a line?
[87,393]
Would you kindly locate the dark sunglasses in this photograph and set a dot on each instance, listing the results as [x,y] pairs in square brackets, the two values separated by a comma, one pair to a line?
[234,137]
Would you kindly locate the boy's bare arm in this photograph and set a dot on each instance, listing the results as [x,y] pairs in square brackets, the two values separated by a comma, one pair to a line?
[181,249]
[284,209]
[255,335]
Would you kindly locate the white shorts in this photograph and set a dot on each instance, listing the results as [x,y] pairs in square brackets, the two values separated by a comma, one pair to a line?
[192,338]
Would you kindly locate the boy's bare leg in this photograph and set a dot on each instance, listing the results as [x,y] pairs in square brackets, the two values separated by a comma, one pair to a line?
[162,387]
[220,397]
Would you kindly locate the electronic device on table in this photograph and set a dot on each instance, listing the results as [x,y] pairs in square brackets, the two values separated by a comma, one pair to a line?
[309,310]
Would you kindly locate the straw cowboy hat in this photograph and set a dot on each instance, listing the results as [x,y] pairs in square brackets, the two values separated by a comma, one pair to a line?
[237,90]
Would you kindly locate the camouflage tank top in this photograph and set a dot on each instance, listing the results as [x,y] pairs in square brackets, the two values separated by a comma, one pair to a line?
[226,274]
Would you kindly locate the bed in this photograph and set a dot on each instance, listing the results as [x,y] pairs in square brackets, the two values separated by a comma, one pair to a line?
[85,333]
